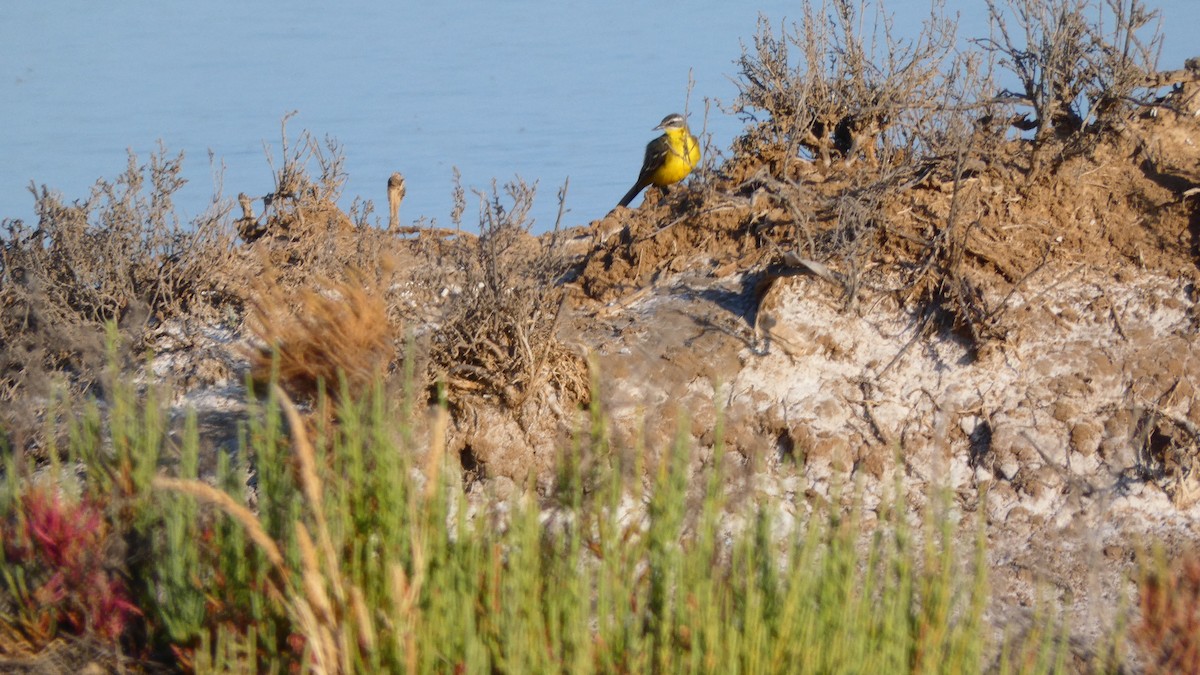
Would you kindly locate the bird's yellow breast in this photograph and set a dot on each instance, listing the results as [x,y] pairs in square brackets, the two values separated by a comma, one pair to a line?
[684,155]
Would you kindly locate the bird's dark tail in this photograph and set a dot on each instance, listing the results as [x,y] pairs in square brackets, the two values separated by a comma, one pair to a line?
[633,192]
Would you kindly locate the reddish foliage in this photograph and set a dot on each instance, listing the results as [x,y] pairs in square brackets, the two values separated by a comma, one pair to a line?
[60,546]
[67,536]
[1169,631]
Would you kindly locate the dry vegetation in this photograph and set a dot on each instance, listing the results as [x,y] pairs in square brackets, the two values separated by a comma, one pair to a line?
[326,295]
[120,255]
[1079,74]
[498,337]
[1169,630]
[881,164]
[332,337]
[890,167]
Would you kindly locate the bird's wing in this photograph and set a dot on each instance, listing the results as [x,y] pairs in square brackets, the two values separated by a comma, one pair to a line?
[657,152]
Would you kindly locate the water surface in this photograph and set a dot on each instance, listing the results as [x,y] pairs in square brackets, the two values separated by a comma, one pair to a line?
[544,90]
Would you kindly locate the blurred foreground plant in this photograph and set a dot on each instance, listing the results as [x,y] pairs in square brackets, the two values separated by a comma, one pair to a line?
[55,570]
[1169,631]
[357,551]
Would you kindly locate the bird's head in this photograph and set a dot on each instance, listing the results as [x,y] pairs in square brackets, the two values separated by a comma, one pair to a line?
[672,122]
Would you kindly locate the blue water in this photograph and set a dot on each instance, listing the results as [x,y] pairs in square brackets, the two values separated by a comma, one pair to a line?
[544,90]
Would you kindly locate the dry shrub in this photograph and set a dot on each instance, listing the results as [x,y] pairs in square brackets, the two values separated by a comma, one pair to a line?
[914,112]
[1169,630]
[346,320]
[303,235]
[301,232]
[850,84]
[854,91]
[498,337]
[119,255]
[318,334]
[1083,66]
[299,205]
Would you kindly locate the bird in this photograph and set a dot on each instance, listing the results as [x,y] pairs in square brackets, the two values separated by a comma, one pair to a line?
[248,226]
[669,158]
[395,194]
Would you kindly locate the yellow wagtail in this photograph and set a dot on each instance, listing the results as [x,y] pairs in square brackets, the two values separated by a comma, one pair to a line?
[669,158]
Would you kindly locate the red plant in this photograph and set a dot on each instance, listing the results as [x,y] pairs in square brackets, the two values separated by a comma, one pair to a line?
[1169,631]
[59,548]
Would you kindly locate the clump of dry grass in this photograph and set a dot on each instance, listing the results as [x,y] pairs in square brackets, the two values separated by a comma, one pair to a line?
[1169,631]
[879,119]
[315,335]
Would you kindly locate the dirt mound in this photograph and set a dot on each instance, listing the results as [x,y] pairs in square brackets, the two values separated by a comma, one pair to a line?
[939,232]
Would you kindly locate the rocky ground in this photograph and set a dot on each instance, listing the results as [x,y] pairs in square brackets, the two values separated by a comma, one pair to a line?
[1074,437]
[1075,441]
